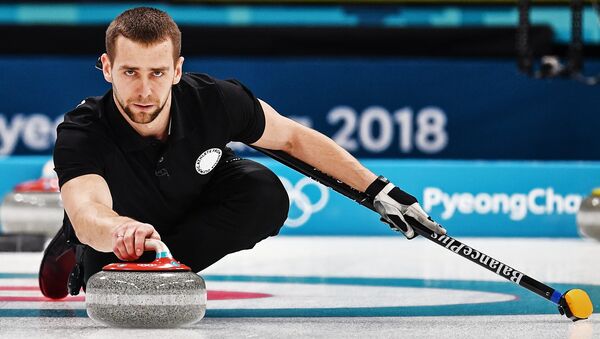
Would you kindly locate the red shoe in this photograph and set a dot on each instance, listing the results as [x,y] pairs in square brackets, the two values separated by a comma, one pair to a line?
[56,266]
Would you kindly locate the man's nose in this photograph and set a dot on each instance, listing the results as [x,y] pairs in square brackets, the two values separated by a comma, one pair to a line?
[146,88]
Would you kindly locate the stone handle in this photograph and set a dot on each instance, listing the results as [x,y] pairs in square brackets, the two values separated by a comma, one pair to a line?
[162,251]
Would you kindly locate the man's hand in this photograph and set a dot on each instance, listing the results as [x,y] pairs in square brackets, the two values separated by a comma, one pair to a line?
[129,239]
[393,204]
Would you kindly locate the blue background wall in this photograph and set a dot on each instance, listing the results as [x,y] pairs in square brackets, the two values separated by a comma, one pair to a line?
[516,199]
[394,108]
[378,108]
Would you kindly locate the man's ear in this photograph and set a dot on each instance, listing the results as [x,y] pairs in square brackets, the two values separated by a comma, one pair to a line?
[106,67]
[178,70]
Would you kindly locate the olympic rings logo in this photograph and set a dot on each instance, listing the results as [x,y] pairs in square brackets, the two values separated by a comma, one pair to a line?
[301,200]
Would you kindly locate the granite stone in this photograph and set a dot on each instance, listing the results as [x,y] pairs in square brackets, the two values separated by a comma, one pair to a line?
[146,299]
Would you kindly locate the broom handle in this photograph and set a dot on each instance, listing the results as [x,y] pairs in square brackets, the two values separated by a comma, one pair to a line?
[446,241]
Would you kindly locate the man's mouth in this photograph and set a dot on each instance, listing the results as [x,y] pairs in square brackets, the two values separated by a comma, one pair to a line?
[143,106]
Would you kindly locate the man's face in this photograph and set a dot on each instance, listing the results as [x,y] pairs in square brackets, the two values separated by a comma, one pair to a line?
[142,77]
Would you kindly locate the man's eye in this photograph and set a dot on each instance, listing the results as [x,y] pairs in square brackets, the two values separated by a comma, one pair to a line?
[129,72]
[157,73]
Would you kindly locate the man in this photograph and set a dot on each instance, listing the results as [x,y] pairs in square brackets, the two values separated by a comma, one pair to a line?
[148,160]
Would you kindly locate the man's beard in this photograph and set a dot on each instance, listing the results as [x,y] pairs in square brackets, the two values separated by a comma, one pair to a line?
[140,117]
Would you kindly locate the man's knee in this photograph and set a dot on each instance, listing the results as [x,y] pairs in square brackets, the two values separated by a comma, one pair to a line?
[270,202]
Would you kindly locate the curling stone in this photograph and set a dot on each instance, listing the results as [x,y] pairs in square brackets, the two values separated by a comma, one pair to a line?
[33,207]
[588,216]
[160,294]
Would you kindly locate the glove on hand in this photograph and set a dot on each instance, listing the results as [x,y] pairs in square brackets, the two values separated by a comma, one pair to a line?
[393,204]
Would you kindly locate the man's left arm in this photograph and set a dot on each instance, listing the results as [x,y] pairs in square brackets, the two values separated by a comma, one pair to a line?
[312,147]
[318,150]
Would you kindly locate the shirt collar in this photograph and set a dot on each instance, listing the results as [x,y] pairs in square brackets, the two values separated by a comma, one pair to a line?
[181,124]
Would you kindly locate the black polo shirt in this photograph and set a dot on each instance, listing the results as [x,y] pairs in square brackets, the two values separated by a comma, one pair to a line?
[152,181]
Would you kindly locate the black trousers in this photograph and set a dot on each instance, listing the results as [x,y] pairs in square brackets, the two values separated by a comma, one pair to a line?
[250,204]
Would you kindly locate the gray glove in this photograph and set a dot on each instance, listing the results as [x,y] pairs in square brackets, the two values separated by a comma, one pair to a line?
[393,204]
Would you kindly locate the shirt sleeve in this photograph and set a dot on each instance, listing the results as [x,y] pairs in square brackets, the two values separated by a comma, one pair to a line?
[245,115]
[76,153]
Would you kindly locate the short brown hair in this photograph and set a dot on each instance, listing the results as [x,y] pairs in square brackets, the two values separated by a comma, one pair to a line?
[143,25]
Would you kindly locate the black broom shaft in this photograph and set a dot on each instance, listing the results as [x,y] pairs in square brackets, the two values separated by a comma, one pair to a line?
[446,241]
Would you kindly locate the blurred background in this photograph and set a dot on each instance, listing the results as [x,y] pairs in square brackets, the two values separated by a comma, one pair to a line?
[487,111]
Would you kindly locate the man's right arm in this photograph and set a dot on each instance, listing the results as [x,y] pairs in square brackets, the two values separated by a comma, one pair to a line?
[88,203]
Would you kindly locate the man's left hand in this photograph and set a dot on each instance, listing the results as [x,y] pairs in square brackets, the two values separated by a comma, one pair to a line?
[393,204]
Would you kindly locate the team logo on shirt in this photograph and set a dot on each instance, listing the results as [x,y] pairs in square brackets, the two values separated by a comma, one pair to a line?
[208,160]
